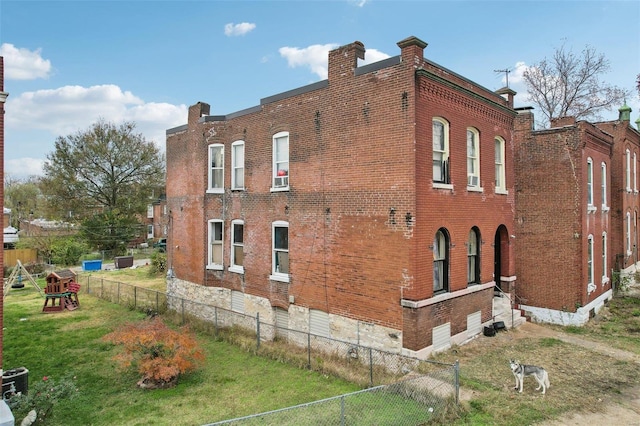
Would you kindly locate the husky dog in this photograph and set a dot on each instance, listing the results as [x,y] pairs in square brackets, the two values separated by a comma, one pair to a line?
[520,371]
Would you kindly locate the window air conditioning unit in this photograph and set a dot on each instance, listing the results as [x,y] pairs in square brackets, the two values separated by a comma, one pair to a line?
[472,180]
[281,181]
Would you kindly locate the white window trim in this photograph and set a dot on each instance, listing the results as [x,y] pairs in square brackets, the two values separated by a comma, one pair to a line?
[150,211]
[445,152]
[210,264]
[232,266]
[590,183]
[234,166]
[603,180]
[590,258]
[274,165]
[635,173]
[278,276]
[503,169]
[476,160]
[211,190]
[628,170]
[605,244]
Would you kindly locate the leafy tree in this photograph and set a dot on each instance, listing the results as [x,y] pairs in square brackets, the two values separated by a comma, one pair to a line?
[569,84]
[23,198]
[103,176]
[110,231]
[157,352]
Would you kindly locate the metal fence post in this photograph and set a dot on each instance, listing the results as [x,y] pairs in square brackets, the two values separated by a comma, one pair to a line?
[370,367]
[215,320]
[309,350]
[456,369]
[118,298]
[182,302]
[342,415]
[135,297]
[258,331]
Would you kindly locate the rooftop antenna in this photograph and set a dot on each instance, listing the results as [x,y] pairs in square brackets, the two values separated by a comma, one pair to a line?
[506,72]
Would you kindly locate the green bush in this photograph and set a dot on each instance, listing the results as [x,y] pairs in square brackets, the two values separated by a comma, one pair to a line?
[158,263]
[42,397]
[67,251]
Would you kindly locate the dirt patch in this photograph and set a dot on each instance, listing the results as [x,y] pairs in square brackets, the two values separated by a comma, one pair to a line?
[623,409]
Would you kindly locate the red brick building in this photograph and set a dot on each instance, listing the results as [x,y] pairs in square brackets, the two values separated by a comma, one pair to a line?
[156,220]
[565,238]
[625,201]
[375,206]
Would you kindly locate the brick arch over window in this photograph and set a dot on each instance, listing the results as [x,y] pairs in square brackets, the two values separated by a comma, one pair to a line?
[502,257]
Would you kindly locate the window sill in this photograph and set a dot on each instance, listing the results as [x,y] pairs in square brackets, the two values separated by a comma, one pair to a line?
[605,280]
[438,185]
[215,191]
[502,192]
[236,269]
[475,189]
[280,189]
[238,189]
[605,208]
[592,209]
[279,277]
[213,267]
[591,287]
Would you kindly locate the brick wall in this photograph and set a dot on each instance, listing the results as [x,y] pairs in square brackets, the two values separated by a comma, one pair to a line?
[553,220]
[361,208]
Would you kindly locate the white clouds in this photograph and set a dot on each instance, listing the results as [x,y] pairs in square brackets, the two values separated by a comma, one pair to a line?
[23,64]
[316,57]
[70,108]
[231,30]
[22,168]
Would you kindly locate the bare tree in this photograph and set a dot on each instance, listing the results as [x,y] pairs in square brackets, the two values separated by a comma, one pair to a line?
[638,84]
[569,84]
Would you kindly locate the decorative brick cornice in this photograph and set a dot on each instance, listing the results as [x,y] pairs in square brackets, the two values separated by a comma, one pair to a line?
[465,98]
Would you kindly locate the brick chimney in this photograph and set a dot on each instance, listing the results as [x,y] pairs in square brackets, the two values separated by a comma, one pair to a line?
[196,111]
[412,50]
[344,60]
[507,94]
[563,121]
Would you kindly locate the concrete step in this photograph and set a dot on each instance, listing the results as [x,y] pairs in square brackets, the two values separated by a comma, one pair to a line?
[502,312]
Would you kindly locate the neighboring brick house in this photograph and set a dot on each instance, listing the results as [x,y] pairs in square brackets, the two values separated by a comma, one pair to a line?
[375,206]
[567,199]
[156,220]
[625,198]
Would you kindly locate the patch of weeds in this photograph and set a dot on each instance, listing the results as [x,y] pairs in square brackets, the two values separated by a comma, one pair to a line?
[573,329]
[548,342]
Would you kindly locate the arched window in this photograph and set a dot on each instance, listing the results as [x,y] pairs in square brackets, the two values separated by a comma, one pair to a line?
[473,257]
[441,261]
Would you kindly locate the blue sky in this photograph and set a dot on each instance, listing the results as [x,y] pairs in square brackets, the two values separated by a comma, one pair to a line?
[70,63]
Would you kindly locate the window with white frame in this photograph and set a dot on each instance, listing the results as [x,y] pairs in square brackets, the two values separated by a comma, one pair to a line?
[473,158]
[280,251]
[628,171]
[281,160]
[603,180]
[605,276]
[440,135]
[216,168]
[237,165]
[149,232]
[473,257]
[150,211]
[628,234]
[635,173]
[590,262]
[215,251]
[590,182]
[441,261]
[237,246]
[501,185]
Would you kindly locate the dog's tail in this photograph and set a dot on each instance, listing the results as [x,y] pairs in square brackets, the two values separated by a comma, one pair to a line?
[546,379]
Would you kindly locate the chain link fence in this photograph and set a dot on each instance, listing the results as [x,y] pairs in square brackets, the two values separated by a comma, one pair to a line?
[415,390]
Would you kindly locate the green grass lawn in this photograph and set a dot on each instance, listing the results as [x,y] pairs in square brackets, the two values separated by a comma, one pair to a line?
[233,382]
